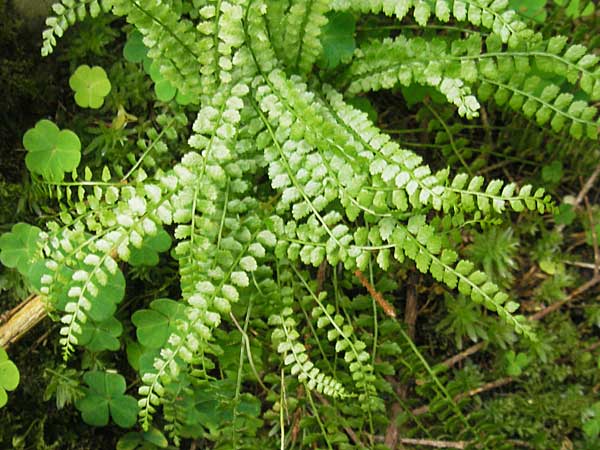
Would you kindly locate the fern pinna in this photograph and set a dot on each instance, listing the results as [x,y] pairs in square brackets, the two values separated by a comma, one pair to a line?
[281,175]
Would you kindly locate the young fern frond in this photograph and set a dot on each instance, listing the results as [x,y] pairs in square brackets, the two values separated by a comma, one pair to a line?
[285,339]
[355,355]
[491,14]
[68,12]
[81,276]
[511,76]
[171,40]
[303,23]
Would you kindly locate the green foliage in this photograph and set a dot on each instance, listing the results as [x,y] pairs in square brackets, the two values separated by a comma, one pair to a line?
[577,8]
[67,13]
[515,363]
[338,39]
[51,151]
[591,424]
[155,325]
[19,249]
[150,439]
[284,204]
[9,377]
[147,254]
[90,85]
[103,398]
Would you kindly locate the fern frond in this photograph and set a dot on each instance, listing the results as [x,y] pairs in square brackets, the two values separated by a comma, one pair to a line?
[81,276]
[346,342]
[303,23]
[68,12]
[171,40]
[382,65]
[285,339]
[491,14]
[506,75]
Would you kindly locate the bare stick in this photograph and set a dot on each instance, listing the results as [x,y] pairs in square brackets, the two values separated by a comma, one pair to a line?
[484,388]
[594,236]
[27,315]
[587,186]
[434,443]
[385,305]
[557,305]
[463,355]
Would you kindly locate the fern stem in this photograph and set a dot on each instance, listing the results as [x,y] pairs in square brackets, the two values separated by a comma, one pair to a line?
[317,417]
[148,150]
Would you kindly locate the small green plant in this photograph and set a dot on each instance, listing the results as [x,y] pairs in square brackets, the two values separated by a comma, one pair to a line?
[51,151]
[90,85]
[18,249]
[104,399]
[9,377]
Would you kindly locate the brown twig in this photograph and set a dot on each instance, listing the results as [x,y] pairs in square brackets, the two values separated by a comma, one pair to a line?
[411,310]
[557,305]
[594,237]
[434,443]
[385,305]
[464,354]
[484,388]
[28,314]
[321,276]
[587,186]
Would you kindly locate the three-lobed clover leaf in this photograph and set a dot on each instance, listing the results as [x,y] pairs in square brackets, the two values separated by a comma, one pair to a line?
[134,50]
[155,325]
[90,85]
[104,398]
[516,362]
[18,248]
[532,9]
[143,440]
[9,376]
[337,39]
[164,90]
[147,254]
[98,336]
[50,151]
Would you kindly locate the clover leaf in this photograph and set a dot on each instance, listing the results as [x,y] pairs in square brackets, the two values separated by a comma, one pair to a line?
[51,151]
[143,440]
[155,325]
[147,254]
[134,50]
[98,336]
[90,85]
[553,172]
[18,249]
[516,363]
[106,397]
[591,421]
[337,39]
[164,90]
[9,376]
